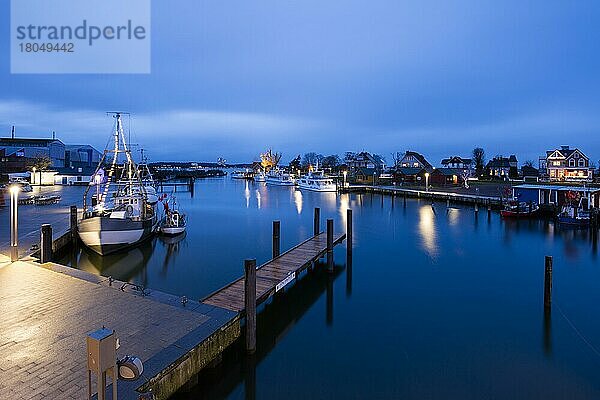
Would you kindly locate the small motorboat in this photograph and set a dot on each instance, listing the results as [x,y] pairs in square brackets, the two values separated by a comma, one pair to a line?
[519,209]
[46,200]
[174,221]
[574,216]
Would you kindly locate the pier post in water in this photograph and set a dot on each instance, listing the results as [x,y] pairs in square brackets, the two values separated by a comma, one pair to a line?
[330,245]
[317,221]
[73,222]
[548,283]
[250,303]
[349,233]
[276,238]
[46,243]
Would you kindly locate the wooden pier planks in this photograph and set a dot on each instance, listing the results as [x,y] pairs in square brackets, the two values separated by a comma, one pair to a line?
[268,275]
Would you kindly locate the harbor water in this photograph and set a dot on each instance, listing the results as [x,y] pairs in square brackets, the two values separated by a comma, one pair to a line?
[438,304]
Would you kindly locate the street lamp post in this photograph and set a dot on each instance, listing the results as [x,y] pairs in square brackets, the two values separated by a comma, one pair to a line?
[345,175]
[33,177]
[427,181]
[14,232]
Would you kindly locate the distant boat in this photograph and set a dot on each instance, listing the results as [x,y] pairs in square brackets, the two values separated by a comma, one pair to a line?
[247,174]
[574,216]
[519,209]
[317,181]
[277,177]
[120,215]
[24,186]
[260,176]
[174,222]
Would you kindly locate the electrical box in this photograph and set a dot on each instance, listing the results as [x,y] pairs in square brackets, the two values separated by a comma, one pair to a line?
[102,353]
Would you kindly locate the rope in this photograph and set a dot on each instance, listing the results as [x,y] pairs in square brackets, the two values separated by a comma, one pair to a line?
[572,325]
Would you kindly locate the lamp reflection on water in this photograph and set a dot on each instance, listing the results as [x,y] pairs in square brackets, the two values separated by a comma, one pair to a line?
[427,231]
[298,201]
[247,194]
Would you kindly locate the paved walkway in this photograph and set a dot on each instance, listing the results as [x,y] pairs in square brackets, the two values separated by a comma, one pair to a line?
[45,314]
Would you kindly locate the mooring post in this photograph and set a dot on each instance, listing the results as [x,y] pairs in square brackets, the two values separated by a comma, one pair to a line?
[250,300]
[330,245]
[317,221]
[548,283]
[489,210]
[192,187]
[276,238]
[349,233]
[73,222]
[46,243]
[405,201]
[476,207]
[448,202]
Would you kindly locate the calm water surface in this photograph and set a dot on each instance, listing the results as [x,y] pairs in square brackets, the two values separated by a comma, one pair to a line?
[438,304]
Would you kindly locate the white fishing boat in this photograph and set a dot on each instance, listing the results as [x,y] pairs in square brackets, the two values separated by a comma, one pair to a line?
[120,215]
[317,181]
[277,177]
[148,181]
[174,222]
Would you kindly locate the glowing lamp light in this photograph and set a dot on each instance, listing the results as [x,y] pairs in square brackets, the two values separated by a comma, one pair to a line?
[14,189]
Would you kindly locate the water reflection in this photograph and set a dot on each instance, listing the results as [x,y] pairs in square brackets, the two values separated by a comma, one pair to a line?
[247,193]
[427,230]
[298,201]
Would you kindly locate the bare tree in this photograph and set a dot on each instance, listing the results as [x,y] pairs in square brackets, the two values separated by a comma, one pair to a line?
[311,158]
[528,163]
[479,159]
[396,158]
[269,159]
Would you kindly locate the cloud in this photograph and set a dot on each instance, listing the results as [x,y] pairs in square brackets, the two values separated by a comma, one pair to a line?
[174,134]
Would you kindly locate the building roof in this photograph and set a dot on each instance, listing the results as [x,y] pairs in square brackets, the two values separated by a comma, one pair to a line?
[75,171]
[560,188]
[27,141]
[566,151]
[448,171]
[501,162]
[367,171]
[529,171]
[409,170]
[456,160]
[419,158]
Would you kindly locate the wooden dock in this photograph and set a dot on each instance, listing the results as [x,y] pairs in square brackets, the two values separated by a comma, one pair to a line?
[491,201]
[272,276]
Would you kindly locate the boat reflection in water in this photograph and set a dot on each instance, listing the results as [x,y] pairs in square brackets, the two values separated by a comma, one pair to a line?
[172,245]
[123,266]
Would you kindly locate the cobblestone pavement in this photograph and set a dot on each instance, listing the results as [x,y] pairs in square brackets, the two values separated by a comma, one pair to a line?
[44,319]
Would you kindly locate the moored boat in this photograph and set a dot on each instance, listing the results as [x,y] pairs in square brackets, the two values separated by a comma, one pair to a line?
[277,177]
[519,209]
[120,215]
[247,174]
[260,176]
[317,181]
[576,216]
[174,222]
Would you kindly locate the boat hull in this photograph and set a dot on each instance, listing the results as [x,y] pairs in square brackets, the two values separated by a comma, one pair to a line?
[321,189]
[574,222]
[172,230]
[105,235]
[517,214]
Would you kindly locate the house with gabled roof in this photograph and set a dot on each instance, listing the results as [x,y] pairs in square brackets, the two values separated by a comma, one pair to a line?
[364,159]
[412,159]
[566,164]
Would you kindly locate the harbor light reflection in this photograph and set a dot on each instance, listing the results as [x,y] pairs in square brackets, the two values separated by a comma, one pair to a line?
[298,201]
[427,231]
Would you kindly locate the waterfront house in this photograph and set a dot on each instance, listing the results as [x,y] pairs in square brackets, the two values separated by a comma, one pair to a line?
[365,176]
[364,160]
[457,162]
[410,175]
[447,176]
[412,159]
[502,167]
[529,173]
[566,164]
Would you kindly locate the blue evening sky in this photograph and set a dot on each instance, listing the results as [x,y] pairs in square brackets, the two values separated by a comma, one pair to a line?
[231,78]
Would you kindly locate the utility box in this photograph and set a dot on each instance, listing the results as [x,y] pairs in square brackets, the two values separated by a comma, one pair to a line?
[102,358]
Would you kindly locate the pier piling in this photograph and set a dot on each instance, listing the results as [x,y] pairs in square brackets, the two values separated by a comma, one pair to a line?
[250,303]
[73,222]
[548,283]
[317,221]
[330,245]
[349,233]
[46,243]
[276,238]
